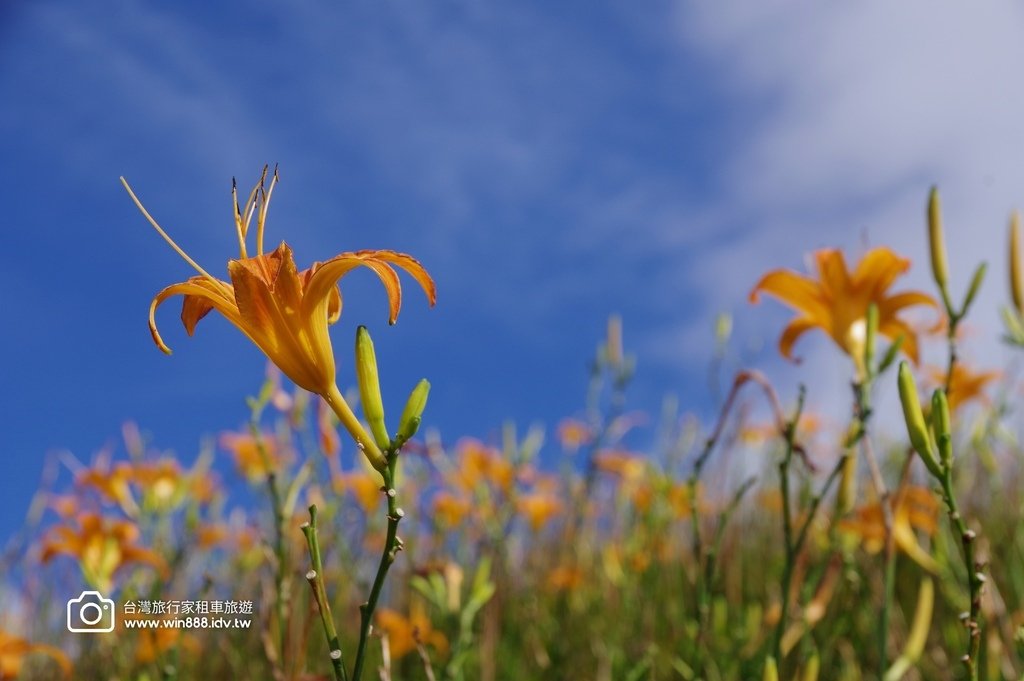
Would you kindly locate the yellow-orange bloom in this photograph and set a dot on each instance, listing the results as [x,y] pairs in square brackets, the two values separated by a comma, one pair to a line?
[573,434]
[480,464]
[405,632]
[915,507]
[112,482]
[450,509]
[254,458]
[837,300]
[966,384]
[538,508]
[285,312]
[13,651]
[101,545]
[363,485]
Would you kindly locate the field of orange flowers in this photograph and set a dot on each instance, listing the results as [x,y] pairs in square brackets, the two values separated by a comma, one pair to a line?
[766,543]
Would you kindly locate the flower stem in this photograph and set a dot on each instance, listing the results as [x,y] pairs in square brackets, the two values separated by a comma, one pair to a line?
[315,577]
[392,545]
[355,428]
[280,552]
[975,578]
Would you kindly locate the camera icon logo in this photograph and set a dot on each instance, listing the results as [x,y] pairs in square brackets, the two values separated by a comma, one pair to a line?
[90,613]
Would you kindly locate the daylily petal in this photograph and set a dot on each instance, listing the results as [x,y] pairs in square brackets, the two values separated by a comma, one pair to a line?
[197,287]
[905,538]
[878,269]
[275,325]
[893,304]
[415,270]
[793,331]
[894,328]
[795,290]
[832,271]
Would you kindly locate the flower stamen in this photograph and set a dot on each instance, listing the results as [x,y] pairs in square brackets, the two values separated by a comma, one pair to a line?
[168,239]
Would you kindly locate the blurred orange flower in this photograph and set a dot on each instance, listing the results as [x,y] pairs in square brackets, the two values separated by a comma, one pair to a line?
[152,643]
[538,508]
[565,578]
[914,508]
[837,300]
[450,509]
[285,312]
[404,632]
[479,464]
[966,385]
[629,467]
[254,458]
[112,482]
[363,485]
[13,651]
[573,434]
[102,545]
[757,434]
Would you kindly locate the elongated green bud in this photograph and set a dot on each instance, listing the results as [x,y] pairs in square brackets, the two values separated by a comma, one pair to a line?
[771,670]
[369,387]
[936,240]
[941,427]
[916,428]
[1016,285]
[413,412]
[972,291]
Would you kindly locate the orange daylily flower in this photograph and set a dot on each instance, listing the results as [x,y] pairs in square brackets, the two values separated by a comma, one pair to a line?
[914,508]
[364,486]
[538,508]
[480,464]
[450,509]
[573,434]
[102,545]
[966,384]
[564,578]
[13,651]
[405,632]
[112,482]
[837,300]
[254,458]
[629,467]
[285,312]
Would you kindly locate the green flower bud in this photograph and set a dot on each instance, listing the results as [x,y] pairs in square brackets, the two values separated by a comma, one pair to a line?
[1016,285]
[915,420]
[413,412]
[369,387]
[972,291]
[936,241]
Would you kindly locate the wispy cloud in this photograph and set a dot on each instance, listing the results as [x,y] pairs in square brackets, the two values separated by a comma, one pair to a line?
[851,113]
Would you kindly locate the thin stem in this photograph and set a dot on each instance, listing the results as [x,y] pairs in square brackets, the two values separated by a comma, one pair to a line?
[351,422]
[280,552]
[705,564]
[315,577]
[392,545]
[789,433]
[975,577]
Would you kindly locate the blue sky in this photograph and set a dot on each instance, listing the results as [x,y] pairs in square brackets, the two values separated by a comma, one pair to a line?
[549,163]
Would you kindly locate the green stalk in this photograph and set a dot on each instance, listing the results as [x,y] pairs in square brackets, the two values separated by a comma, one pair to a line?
[315,577]
[392,545]
[975,578]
